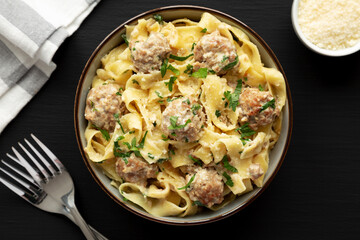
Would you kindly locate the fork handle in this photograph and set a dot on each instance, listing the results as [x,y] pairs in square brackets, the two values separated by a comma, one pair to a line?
[82,224]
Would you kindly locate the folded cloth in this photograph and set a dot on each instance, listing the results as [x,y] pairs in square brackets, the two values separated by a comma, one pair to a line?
[30,33]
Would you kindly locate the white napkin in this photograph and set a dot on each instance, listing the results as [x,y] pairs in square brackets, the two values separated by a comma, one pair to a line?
[30,33]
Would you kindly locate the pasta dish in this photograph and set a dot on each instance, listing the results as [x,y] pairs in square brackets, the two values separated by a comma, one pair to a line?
[182,115]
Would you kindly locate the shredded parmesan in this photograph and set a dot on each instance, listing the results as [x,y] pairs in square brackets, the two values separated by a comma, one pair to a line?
[330,24]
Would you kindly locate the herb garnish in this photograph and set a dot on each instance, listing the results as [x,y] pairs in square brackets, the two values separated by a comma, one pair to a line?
[231,65]
[197,161]
[227,165]
[158,18]
[204,30]
[165,66]
[193,46]
[245,131]
[151,156]
[158,94]
[116,116]
[170,83]
[233,98]
[261,88]
[186,101]
[173,126]
[164,138]
[125,39]
[270,103]
[180,58]
[189,69]
[195,107]
[104,133]
[136,149]
[135,82]
[198,203]
[174,70]
[229,181]
[217,113]
[201,73]
[188,184]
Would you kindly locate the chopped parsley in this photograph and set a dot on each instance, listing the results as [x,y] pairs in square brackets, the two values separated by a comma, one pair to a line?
[211,71]
[204,30]
[270,103]
[116,116]
[136,149]
[158,18]
[198,203]
[195,107]
[197,161]
[125,39]
[135,82]
[233,98]
[174,70]
[173,126]
[217,113]
[104,133]
[227,165]
[229,181]
[224,58]
[151,156]
[193,46]
[186,101]
[189,183]
[189,69]
[172,99]
[201,73]
[164,138]
[231,65]
[163,67]
[245,131]
[261,88]
[118,152]
[158,94]
[170,83]
[180,58]
[93,106]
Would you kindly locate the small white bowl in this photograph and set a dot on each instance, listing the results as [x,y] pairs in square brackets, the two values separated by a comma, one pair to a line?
[310,45]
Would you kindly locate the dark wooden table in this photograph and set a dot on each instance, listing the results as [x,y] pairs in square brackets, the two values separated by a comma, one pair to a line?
[316,193]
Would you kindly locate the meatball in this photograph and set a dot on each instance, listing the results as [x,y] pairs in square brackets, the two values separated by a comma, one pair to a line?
[101,104]
[183,119]
[149,55]
[214,51]
[251,102]
[207,187]
[135,170]
[255,171]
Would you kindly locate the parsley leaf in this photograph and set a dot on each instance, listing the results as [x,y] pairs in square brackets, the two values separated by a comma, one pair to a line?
[174,70]
[201,73]
[233,98]
[158,18]
[151,156]
[229,181]
[135,82]
[217,113]
[204,30]
[197,161]
[231,65]
[125,39]
[189,69]
[164,138]
[195,107]
[180,58]
[163,67]
[170,83]
[193,46]
[227,165]
[158,94]
[188,184]
[173,126]
[261,88]
[104,133]
[116,116]
[245,130]
[270,103]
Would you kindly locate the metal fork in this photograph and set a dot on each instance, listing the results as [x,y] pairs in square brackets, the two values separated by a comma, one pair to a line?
[49,189]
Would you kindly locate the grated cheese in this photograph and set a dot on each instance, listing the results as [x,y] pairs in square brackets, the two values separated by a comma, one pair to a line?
[330,24]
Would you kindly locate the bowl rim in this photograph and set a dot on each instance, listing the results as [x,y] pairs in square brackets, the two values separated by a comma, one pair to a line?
[77,127]
[309,44]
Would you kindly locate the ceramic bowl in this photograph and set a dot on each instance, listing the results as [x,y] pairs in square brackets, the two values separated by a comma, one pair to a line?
[277,155]
[310,45]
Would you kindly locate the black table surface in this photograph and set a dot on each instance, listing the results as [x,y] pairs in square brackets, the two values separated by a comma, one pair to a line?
[316,193]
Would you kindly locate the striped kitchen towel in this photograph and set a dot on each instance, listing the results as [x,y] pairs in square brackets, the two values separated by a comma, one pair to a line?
[30,33]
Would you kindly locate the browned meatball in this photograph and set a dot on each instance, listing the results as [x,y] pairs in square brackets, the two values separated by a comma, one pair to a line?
[214,51]
[207,187]
[136,170]
[251,102]
[183,120]
[149,55]
[101,104]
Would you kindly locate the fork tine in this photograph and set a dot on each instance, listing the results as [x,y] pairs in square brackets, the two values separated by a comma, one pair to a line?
[53,158]
[27,166]
[26,196]
[21,173]
[42,170]
[14,158]
[21,182]
[45,162]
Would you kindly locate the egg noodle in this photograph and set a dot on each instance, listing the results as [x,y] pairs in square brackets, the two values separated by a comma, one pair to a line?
[145,97]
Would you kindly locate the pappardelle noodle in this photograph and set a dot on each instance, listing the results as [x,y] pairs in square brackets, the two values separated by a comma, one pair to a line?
[183,114]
